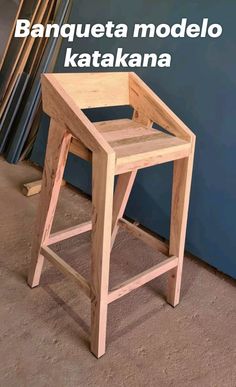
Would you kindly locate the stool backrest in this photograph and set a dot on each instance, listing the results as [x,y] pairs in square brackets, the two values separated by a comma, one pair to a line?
[91,90]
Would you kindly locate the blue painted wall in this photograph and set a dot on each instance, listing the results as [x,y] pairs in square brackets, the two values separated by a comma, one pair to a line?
[200,87]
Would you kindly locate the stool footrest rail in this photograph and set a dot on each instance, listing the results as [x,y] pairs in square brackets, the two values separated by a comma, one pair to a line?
[119,291]
[142,278]
[69,232]
[147,238]
[66,269]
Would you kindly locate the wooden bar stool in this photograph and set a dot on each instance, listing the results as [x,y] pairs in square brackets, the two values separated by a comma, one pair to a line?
[116,147]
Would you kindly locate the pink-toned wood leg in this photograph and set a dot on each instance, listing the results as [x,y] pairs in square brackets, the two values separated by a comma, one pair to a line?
[122,192]
[102,200]
[125,184]
[56,155]
[182,177]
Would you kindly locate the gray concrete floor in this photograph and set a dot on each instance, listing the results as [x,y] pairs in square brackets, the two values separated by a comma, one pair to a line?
[44,332]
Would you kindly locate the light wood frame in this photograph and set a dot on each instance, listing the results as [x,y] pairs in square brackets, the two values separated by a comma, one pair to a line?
[64,95]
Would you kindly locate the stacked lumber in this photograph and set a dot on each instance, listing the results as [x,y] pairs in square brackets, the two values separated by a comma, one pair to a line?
[22,64]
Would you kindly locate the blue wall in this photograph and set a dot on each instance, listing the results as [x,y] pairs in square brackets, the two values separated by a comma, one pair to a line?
[200,87]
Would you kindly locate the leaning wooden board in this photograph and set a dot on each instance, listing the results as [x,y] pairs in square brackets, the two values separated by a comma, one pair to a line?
[22,131]
[22,60]
[16,45]
[39,45]
[11,109]
[11,34]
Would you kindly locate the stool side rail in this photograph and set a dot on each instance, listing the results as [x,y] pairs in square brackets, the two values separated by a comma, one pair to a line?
[146,237]
[69,232]
[142,278]
[66,269]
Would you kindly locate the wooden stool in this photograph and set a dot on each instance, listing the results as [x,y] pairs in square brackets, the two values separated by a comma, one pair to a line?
[116,147]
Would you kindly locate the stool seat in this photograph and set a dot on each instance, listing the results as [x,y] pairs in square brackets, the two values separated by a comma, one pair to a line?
[115,147]
[135,143]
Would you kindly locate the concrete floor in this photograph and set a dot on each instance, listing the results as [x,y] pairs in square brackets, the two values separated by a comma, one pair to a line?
[44,332]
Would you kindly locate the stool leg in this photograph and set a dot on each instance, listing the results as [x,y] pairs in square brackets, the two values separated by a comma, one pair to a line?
[102,200]
[182,177]
[122,192]
[56,155]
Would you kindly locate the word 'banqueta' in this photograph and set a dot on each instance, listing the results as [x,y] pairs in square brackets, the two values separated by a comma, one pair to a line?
[120,59]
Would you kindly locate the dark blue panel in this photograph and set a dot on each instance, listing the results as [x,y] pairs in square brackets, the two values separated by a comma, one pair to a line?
[200,87]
